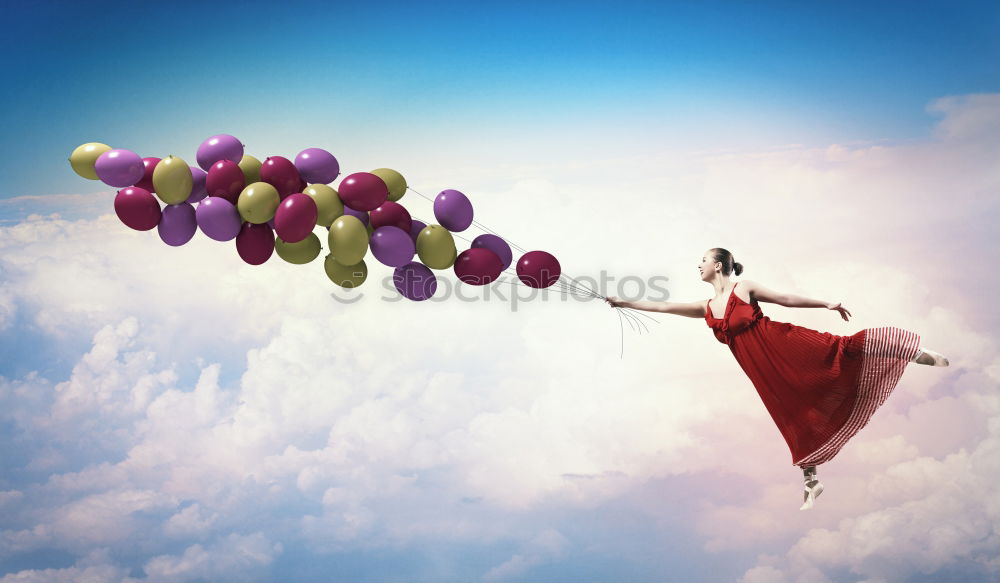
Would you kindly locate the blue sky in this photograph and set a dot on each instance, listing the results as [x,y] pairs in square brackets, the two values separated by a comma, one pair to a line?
[177,415]
[354,75]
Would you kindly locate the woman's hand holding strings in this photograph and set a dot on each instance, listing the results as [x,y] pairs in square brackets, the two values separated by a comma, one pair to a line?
[616,302]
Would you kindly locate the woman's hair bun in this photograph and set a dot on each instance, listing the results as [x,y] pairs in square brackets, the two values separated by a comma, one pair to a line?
[737,268]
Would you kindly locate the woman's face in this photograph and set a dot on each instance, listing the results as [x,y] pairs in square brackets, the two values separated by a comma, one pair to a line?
[707,266]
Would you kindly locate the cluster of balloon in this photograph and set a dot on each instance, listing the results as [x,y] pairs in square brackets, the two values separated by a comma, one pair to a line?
[274,205]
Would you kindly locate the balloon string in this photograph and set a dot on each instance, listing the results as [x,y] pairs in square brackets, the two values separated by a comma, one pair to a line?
[621,328]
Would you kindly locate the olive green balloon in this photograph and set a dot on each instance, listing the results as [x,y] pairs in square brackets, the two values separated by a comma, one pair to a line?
[298,253]
[85,156]
[436,247]
[328,203]
[251,169]
[258,203]
[394,180]
[348,239]
[345,275]
[172,180]
[370,229]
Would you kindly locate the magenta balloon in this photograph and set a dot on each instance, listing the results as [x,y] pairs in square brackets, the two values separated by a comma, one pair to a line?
[295,218]
[199,181]
[146,182]
[415,281]
[281,174]
[392,246]
[218,218]
[478,266]
[392,213]
[225,180]
[220,147]
[317,166]
[363,191]
[362,215]
[119,168]
[496,245]
[178,224]
[453,210]
[255,243]
[415,228]
[137,208]
[538,269]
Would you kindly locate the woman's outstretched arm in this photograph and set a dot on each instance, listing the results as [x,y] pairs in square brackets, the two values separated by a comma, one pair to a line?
[689,309]
[765,294]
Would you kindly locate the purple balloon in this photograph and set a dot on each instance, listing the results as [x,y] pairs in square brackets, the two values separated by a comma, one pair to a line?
[415,281]
[392,246]
[198,190]
[177,224]
[317,166]
[218,218]
[496,245]
[363,215]
[220,147]
[453,210]
[119,168]
[415,228]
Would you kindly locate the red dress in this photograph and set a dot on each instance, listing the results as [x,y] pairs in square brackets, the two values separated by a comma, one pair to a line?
[819,388]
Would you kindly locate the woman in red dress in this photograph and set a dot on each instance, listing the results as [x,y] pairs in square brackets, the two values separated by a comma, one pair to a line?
[820,388]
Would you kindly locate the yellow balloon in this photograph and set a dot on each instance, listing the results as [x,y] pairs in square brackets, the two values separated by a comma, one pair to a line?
[85,156]
[436,247]
[348,239]
[394,180]
[251,169]
[258,203]
[172,180]
[298,253]
[345,275]
[328,203]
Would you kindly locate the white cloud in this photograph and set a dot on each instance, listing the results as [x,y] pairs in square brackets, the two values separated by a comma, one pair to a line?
[233,558]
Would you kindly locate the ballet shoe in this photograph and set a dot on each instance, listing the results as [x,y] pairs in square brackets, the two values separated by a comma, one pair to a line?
[939,360]
[812,491]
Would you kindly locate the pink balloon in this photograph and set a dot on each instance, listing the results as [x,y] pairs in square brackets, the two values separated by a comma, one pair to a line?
[225,180]
[255,243]
[281,174]
[137,208]
[538,269]
[363,191]
[391,214]
[296,217]
[147,174]
[478,266]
